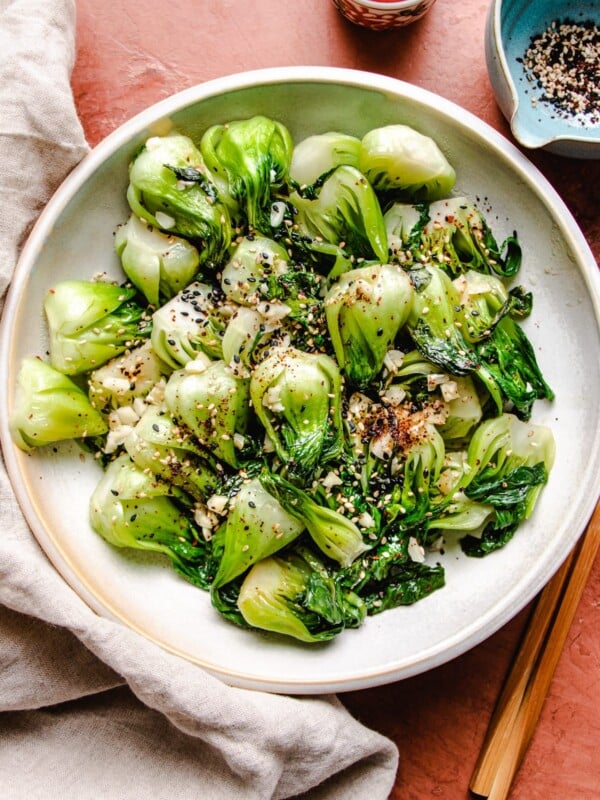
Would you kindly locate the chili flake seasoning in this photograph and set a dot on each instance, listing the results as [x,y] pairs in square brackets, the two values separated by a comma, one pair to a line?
[564,64]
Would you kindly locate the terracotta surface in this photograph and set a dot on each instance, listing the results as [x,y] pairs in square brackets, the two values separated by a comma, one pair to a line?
[133,54]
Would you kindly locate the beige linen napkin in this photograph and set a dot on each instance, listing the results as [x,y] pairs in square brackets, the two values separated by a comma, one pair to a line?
[90,708]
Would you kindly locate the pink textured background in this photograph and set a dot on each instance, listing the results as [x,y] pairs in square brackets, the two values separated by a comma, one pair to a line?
[130,55]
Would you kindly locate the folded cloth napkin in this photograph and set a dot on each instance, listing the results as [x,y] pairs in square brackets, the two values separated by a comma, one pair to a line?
[89,707]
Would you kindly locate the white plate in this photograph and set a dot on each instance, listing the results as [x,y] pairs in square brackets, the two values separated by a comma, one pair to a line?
[73,238]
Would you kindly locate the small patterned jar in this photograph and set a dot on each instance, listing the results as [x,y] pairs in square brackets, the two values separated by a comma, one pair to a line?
[380,15]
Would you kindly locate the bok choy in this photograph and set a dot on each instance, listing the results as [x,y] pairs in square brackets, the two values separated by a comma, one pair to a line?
[311,379]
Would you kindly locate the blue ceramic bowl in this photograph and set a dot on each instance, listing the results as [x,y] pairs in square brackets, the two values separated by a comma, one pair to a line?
[510,26]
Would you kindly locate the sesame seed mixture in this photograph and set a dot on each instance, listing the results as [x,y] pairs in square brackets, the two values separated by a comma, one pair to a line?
[564,64]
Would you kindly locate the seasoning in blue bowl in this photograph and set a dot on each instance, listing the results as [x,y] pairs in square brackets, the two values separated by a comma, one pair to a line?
[543,60]
[563,62]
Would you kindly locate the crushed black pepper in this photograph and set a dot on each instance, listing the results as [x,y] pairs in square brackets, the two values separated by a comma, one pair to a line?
[563,63]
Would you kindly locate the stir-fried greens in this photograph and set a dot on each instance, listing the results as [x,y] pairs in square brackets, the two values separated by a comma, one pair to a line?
[312,375]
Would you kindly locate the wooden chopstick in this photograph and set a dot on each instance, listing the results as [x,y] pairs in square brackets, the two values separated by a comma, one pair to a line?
[509,701]
[521,700]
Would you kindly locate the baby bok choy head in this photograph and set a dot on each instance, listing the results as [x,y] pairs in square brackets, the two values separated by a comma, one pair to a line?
[131,508]
[419,464]
[345,213]
[508,463]
[257,526]
[365,310]
[190,323]
[91,322]
[484,300]
[159,446]
[158,264]
[213,404]
[253,261]
[502,357]
[293,594]
[398,160]
[335,535]
[50,407]
[297,397]
[432,321]
[131,375]
[250,159]
[170,189]
[458,237]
